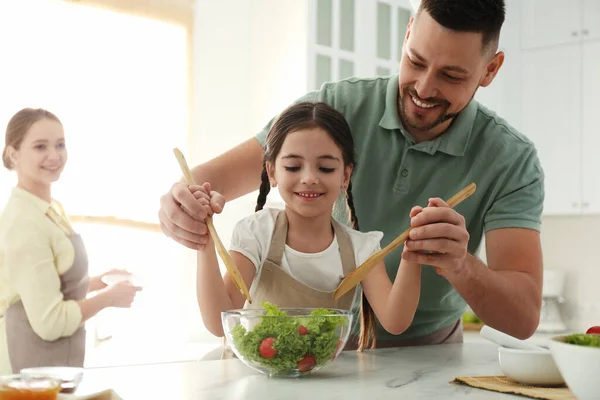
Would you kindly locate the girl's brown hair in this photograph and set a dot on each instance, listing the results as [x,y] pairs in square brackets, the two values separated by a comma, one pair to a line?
[306,115]
[17,128]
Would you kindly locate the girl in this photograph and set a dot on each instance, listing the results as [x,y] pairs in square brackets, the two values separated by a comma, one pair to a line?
[43,263]
[296,257]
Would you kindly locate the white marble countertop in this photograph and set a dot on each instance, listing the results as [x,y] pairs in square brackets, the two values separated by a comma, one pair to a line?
[408,373]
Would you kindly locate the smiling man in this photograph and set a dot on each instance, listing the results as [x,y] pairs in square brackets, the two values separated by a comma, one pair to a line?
[421,137]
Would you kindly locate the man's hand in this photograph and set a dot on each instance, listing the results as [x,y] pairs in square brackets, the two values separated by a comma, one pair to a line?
[439,238]
[183,213]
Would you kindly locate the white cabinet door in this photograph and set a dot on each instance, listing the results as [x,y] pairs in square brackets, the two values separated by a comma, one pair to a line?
[550,22]
[591,20]
[591,127]
[551,118]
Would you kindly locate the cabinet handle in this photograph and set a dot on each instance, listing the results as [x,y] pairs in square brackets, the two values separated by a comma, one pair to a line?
[585,204]
[574,33]
[585,32]
[575,204]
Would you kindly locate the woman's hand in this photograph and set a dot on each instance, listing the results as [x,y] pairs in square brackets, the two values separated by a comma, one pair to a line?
[121,294]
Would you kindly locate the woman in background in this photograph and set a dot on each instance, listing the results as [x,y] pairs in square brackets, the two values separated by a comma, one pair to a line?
[44,277]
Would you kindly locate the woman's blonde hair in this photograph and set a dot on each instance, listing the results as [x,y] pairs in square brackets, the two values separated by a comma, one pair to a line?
[17,128]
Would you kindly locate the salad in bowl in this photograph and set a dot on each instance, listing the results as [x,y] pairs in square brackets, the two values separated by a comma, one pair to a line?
[577,357]
[287,342]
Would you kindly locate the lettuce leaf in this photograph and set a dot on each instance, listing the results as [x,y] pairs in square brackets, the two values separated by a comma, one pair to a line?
[320,342]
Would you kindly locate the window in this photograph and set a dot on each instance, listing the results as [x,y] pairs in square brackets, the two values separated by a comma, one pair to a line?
[120,83]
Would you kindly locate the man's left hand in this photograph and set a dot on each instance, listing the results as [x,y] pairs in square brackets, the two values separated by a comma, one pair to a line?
[439,238]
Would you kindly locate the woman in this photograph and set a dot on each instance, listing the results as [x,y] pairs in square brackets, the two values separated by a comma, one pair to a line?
[44,277]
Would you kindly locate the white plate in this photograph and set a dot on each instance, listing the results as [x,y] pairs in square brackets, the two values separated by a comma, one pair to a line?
[112,279]
[70,376]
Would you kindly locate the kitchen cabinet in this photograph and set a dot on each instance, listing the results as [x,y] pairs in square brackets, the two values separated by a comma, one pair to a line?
[547,23]
[591,19]
[560,99]
[551,23]
[552,120]
[591,127]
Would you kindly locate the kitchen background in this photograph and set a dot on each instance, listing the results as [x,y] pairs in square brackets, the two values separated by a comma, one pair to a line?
[131,79]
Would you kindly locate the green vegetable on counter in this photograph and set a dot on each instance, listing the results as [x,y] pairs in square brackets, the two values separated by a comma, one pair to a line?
[582,339]
[471,318]
[283,343]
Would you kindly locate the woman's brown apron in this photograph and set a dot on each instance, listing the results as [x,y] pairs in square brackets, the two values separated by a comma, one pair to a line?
[25,348]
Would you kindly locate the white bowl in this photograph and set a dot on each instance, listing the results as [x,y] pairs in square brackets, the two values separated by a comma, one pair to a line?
[531,367]
[580,365]
[69,376]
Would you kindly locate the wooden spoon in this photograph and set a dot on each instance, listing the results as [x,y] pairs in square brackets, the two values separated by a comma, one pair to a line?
[236,277]
[356,276]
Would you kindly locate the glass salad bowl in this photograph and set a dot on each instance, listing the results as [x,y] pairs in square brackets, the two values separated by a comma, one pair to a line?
[287,342]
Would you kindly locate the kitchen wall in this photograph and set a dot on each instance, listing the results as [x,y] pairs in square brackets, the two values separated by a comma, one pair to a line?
[250,61]
[569,244]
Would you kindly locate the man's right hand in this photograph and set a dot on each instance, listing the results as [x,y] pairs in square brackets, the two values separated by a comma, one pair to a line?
[183,212]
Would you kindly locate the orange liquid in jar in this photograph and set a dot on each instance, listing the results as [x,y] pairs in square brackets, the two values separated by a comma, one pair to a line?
[15,393]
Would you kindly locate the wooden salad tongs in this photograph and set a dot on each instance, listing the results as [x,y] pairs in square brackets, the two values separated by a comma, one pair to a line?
[356,276]
[236,277]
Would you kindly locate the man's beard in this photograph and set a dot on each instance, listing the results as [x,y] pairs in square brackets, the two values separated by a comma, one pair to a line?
[444,116]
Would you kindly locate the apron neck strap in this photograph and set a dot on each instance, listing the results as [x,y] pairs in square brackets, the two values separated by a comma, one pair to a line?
[277,246]
[279,237]
[346,250]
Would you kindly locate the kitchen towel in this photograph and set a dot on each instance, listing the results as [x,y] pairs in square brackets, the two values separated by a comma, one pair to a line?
[504,385]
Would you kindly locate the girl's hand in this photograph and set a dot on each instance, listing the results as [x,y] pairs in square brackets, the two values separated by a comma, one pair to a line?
[212,202]
[416,210]
[182,216]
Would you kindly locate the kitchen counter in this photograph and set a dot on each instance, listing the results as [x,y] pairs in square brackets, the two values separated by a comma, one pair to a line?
[409,373]
[538,338]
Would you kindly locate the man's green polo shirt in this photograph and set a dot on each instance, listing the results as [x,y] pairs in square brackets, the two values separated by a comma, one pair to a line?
[393,174]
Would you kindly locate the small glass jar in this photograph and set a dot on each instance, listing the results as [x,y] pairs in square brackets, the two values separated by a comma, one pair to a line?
[20,387]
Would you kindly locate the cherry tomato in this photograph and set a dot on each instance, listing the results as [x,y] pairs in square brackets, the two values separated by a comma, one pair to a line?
[266,348]
[594,330]
[302,330]
[307,363]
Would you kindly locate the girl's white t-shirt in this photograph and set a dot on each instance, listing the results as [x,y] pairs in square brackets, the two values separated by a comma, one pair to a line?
[322,271]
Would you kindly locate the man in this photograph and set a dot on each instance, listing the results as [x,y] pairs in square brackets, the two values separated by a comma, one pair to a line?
[420,138]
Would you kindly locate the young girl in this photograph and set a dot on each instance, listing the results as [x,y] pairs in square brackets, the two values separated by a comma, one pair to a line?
[298,256]
[43,263]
